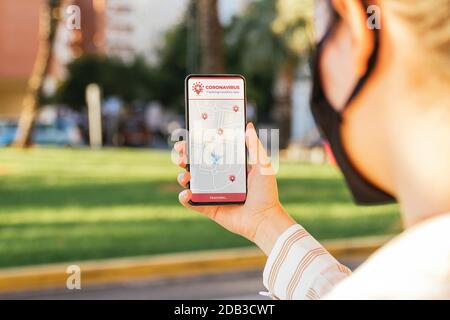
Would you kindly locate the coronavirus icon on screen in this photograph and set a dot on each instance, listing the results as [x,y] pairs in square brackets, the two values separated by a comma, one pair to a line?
[204,116]
[235,108]
[197,87]
[232,178]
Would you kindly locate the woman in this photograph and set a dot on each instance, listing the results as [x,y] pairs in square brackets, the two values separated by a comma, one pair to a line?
[381,98]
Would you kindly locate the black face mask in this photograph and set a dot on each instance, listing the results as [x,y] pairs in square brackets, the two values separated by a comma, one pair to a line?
[329,122]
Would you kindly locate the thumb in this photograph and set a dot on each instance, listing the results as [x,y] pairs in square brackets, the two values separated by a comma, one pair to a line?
[257,153]
[185,196]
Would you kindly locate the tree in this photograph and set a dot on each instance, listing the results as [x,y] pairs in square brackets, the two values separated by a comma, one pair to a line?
[252,49]
[48,22]
[211,42]
[293,26]
[192,41]
[131,82]
[272,38]
[172,66]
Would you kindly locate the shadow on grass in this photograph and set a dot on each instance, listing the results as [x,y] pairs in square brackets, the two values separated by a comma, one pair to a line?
[32,194]
[55,242]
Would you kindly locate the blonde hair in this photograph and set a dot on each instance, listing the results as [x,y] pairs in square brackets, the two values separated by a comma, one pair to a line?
[430,21]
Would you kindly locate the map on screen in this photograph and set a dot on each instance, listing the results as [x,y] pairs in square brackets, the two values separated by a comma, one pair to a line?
[217,139]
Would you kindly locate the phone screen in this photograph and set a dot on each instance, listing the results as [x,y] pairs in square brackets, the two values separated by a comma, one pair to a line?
[216,117]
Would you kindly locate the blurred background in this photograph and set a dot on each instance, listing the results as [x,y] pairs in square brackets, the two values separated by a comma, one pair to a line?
[85,174]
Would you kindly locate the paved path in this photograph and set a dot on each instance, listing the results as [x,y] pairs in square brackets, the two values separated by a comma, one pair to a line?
[243,285]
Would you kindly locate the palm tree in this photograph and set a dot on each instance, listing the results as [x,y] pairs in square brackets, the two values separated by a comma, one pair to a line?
[282,92]
[270,34]
[211,37]
[293,25]
[48,21]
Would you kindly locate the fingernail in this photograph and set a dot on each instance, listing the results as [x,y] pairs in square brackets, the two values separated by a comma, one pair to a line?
[250,125]
[182,195]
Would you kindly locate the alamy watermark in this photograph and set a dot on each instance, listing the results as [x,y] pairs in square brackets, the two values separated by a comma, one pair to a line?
[73,17]
[216,148]
[374,20]
[74,279]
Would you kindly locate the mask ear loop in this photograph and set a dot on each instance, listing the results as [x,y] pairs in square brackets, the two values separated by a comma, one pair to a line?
[370,63]
[316,57]
[330,30]
[370,66]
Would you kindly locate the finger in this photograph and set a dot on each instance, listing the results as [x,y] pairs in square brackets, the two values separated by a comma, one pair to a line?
[209,211]
[182,161]
[180,147]
[256,151]
[184,198]
[183,179]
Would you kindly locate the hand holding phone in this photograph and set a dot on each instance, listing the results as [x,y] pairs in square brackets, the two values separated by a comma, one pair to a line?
[262,218]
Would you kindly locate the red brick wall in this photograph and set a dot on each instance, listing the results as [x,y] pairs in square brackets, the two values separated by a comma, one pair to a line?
[19,26]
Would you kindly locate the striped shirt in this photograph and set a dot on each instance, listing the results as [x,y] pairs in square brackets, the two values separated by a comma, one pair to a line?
[415,264]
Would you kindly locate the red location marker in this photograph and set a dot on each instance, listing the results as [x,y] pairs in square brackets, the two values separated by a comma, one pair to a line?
[232,178]
[235,108]
[204,115]
[220,131]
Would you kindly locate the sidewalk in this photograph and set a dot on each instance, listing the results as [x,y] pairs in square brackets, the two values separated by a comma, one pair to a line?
[142,270]
[235,285]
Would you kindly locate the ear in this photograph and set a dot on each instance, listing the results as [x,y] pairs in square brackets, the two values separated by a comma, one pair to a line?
[353,15]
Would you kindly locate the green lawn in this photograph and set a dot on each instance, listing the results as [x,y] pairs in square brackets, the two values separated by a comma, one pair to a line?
[69,204]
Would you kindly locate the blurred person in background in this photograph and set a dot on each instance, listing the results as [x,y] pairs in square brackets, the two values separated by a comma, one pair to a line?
[153,119]
[381,98]
[133,130]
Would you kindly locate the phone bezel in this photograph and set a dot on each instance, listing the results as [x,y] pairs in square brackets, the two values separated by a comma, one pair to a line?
[186,104]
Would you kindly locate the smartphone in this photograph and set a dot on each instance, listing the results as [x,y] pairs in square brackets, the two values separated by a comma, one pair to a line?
[216,153]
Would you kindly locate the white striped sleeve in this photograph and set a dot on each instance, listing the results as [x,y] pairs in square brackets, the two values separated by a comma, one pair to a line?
[299,267]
